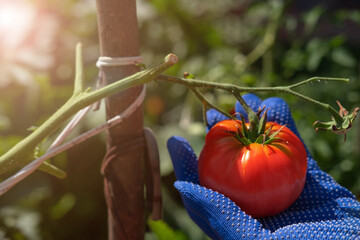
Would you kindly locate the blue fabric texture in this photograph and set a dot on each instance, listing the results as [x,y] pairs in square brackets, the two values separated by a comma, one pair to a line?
[324,210]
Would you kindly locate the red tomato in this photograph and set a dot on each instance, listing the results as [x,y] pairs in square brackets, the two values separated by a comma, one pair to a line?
[262,179]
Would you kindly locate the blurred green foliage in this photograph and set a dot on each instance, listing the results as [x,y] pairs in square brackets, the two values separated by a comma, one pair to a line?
[212,41]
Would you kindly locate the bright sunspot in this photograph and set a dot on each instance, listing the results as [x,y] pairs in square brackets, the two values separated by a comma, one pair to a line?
[16,20]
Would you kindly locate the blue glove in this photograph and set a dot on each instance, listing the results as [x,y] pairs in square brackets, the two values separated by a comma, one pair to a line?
[324,210]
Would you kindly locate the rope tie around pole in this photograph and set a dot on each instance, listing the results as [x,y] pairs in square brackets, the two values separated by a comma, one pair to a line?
[118,61]
[152,163]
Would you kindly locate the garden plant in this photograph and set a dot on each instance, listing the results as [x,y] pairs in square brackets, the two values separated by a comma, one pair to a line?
[256,175]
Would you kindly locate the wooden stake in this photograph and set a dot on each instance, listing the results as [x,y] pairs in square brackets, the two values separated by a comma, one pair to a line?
[124,176]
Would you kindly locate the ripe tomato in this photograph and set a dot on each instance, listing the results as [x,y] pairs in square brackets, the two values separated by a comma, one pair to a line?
[262,179]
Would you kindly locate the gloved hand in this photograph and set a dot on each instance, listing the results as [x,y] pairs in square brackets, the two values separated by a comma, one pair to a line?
[324,210]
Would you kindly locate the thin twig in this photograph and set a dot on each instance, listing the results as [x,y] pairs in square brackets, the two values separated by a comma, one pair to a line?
[317,79]
[236,90]
[208,104]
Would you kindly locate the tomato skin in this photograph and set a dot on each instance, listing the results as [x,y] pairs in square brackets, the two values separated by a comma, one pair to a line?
[262,180]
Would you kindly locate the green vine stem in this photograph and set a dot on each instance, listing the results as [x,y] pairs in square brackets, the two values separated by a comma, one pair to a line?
[207,104]
[21,154]
[236,90]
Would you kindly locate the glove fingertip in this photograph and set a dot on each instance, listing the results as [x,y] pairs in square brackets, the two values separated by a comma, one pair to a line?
[174,140]
[183,158]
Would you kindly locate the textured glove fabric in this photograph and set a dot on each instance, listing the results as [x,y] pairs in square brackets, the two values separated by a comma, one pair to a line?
[324,210]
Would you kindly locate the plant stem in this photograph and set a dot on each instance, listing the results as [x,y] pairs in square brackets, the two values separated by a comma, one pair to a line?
[19,155]
[318,79]
[236,90]
[325,106]
[207,104]
[79,71]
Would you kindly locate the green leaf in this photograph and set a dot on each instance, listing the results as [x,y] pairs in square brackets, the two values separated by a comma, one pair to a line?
[337,41]
[342,57]
[63,206]
[317,50]
[164,232]
[311,19]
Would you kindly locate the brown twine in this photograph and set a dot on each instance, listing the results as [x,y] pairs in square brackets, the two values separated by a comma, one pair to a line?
[152,176]
[119,149]
[114,193]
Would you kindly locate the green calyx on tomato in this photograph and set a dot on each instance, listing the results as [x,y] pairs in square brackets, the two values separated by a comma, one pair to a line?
[264,176]
[255,132]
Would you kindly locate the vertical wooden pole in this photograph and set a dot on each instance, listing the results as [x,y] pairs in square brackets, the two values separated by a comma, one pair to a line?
[124,176]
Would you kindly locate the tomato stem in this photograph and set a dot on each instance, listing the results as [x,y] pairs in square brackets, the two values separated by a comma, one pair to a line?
[236,90]
[206,103]
[256,121]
